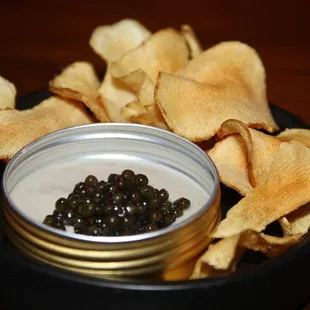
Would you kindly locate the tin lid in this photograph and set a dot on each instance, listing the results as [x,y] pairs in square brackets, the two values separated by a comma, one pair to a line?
[169,160]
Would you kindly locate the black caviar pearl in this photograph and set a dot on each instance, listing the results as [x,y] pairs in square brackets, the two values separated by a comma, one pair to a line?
[110,188]
[147,192]
[150,227]
[100,186]
[155,217]
[93,230]
[58,216]
[154,203]
[182,203]
[134,196]
[97,198]
[177,212]
[78,222]
[91,191]
[165,207]
[119,210]
[169,219]
[117,198]
[91,180]
[79,230]
[128,220]
[72,201]
[90,220]
[59,225]
[128,174]
[61,204]
[112,177]
[99,210]
[141,180]
[132,209]
[49,220]
[120,182]
[108,209]
[112,221]
[141,209]
[163,195]
[78,187]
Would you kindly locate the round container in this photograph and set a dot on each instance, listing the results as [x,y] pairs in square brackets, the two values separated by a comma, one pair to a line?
[49,168]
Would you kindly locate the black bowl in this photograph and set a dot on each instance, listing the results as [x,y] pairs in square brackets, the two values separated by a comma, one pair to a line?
[280,283]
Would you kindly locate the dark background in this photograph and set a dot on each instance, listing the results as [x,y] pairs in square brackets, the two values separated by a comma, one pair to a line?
[37,38]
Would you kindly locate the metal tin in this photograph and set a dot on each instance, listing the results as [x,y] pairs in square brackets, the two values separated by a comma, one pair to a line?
[168,253]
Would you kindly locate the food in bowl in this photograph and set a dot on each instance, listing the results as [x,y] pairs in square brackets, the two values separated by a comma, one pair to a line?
[124,204]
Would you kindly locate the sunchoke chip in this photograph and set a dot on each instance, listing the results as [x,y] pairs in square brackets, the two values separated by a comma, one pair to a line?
[287,172]
[18,128]
[7,94]
[166,51]
[78,81]
[301,135]
[223,256]
[283,193]
[112,42]
[226,81]
[249,153]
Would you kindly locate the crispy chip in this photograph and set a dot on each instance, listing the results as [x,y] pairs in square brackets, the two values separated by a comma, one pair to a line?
[114,95]
[143,110]
[18,128]
[140,83]
[233,172]
[301,135]
[259,147]
[78,81]
[7,94]
[225,254]
[111,42]
[297,222]
[287,172]
[165,50]
[192,41]
[225,82]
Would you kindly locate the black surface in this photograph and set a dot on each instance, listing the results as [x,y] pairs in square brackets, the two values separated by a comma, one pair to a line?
[281,283]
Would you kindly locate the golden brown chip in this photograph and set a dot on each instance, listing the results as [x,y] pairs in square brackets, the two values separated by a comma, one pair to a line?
[143,110]
[114,95]
[165,50]
[297,222]
[226,81]
[140,83]
[287,172]
[224,255]
[111,42]
[7,94]
[18,128]
[219,259]
[78,81]
[229,157]
[259,147]
[301,135]
[192,41]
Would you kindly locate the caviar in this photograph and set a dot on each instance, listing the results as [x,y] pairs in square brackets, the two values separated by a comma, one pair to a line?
[125,204]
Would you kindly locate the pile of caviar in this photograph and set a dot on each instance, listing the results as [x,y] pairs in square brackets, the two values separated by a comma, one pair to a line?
[125,204]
